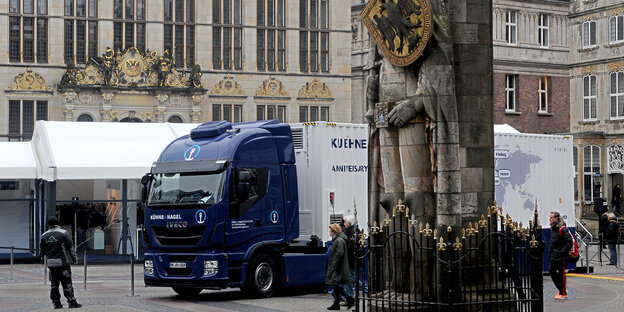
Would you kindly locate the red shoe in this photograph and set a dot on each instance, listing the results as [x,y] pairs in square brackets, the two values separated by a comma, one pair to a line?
[561,297]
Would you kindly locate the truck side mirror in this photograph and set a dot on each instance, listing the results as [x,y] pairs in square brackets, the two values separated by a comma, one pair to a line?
[144,181]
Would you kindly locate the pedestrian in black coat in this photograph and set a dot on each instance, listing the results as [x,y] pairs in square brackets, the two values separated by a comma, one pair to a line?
[613,233]
[560,245]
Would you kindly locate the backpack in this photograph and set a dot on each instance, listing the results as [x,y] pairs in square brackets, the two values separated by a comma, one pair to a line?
[573,254]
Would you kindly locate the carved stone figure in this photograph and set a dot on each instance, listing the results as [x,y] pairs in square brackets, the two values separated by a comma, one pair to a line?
[414,151]
[162,67]
[196,75]
[108,65]
[69,78]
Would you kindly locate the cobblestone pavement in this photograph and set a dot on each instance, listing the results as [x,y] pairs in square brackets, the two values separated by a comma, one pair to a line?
[109,289]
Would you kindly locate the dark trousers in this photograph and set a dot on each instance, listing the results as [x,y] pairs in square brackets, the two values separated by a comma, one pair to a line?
[61,275]
[613,253]
[340,291]
[557,273]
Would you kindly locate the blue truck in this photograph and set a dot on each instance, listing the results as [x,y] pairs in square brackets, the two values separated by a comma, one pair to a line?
[224,206]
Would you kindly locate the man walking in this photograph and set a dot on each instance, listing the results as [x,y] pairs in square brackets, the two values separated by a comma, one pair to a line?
[57,246]
[613,231]
[560,244]
[349,230]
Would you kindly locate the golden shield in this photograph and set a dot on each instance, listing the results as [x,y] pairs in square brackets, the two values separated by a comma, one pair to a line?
[132,67]
[401,28]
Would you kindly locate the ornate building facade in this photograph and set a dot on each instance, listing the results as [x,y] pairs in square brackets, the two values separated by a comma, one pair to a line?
[90,60]
[531,84]
[597,96]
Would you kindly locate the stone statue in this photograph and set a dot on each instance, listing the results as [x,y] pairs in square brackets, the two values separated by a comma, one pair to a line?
[69,78]
[108,65]
[195,77]
[414,150]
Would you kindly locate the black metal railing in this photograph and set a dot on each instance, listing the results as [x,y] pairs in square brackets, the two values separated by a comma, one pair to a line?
[494,264]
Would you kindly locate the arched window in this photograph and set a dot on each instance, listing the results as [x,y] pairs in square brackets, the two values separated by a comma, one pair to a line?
[175,119]
[591,165]
[85,118]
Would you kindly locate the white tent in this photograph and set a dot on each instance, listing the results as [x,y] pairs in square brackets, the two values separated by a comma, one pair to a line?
[100,150]
[17,161]
[504,128]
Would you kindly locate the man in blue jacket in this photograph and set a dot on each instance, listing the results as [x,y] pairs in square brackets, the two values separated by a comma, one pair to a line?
[560,244]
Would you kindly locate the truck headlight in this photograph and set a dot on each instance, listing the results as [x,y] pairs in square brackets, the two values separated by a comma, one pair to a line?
[211,267]
[149,267]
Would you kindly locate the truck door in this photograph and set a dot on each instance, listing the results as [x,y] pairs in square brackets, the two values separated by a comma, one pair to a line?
[273,207]
[246,214]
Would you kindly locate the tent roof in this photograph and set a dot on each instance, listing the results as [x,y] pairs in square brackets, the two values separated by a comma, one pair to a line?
[17,161]
[101,150]
[504,128]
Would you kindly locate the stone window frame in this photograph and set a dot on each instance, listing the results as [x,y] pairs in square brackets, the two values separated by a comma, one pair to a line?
[227,34]
[264,111]
[320,109]
[80,30]
[314,36]
[543,30]
[271,35]
[235,112]
[588,32]
[17,119]
[24,48]
[591,156]
[511,27]
[589,97]
[616,98]
[616,35]
[179,31]
[510,93]
[543,95]
[129,24]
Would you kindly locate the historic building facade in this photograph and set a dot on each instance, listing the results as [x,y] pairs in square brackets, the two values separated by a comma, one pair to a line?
[531,84]
[135,60]
[597,96]
[360,48]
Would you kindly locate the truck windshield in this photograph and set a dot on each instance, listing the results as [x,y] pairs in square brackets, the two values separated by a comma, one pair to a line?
[186,188]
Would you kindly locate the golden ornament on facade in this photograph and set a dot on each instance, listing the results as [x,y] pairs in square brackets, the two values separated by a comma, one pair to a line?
[272,87]
[228,87]
[28,81]
[616,66]
[401,28]
[315,89]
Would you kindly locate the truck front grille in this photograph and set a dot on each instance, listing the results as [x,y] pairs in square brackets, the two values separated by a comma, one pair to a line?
[178,237]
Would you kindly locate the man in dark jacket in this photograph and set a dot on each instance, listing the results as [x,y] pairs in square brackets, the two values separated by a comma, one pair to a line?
[349,231]
[560,245]
[57,246]
[613,232]
[338,268]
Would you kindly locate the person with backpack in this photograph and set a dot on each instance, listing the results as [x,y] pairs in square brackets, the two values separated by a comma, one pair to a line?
[613,231]
[561,242]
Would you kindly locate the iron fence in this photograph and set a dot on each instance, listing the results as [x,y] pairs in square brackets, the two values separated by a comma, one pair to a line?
[494,264]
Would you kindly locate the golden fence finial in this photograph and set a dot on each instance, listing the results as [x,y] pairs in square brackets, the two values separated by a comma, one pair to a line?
[449,229]
[362,239]
[407,212]
[441,244]
[400,206]
[435,234]
[427,230]
[483,222]
[463,233]
[533,242]
[489,211]
[413,221]
[457,245]
[375,228]
[420,229]
[387,221]
[394,211]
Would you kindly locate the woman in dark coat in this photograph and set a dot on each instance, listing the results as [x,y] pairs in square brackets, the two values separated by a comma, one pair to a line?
[338,269]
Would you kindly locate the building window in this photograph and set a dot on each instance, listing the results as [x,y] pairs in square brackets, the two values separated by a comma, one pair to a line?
[591,165]
[268,112]
[227,112]
[313,35]
[129,24]
[617,94]
[616,28]
[589,34]
[179,31]
[543,95]
[85,118]
[28,31]
[271,35]
[542,30]
[589,97]
[511,26]
[575,163]
[510,93]
[80,30]
[175,119]
[227,34]
[313,113]
[22,116]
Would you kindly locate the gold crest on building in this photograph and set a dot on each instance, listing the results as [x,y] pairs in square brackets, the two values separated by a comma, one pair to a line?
[401,28]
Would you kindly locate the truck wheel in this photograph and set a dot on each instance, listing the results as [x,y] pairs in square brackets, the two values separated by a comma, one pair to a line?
[262,277]
[187,291]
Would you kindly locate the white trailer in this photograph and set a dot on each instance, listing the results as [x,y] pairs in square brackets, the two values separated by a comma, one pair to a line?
[332,174]
[534,168]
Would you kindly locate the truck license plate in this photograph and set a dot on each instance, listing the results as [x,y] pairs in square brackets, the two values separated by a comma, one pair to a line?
[177,265]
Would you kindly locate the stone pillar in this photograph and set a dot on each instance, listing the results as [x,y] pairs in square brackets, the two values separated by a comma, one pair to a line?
[195,108]
[106,110]
[161,107]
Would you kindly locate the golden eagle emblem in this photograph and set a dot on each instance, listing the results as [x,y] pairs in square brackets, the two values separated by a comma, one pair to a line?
[401,28]
[132,67]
